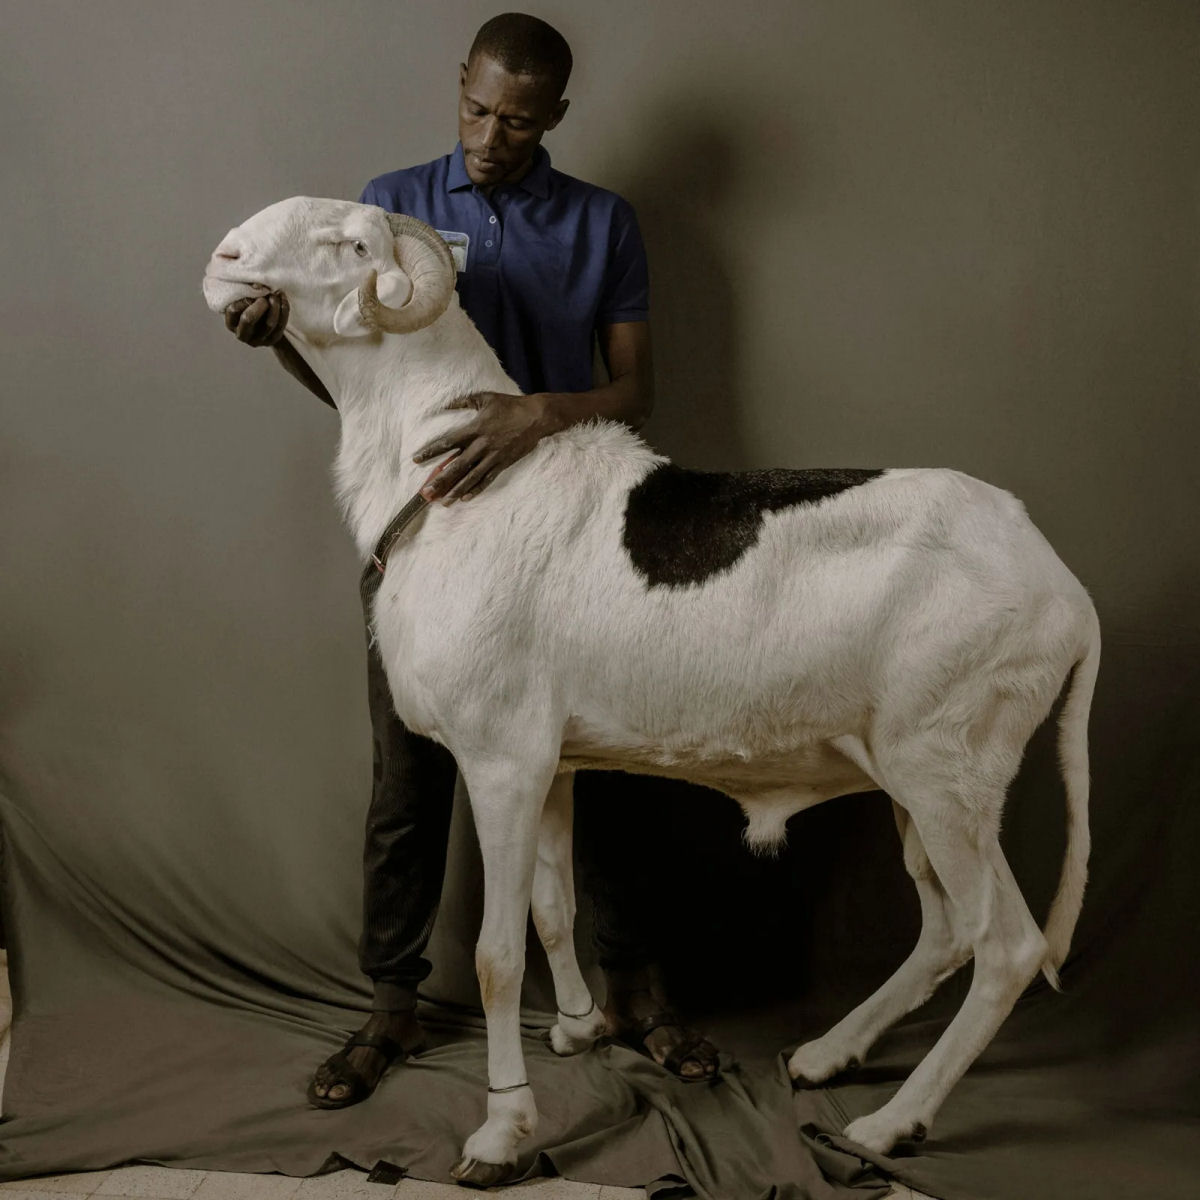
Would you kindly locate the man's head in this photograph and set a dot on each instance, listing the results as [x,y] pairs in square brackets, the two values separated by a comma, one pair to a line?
[509,95]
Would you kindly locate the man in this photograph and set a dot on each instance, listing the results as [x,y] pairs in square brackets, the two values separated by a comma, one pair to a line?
[546,265]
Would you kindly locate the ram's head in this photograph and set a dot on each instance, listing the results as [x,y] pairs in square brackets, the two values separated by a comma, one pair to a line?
[348,269]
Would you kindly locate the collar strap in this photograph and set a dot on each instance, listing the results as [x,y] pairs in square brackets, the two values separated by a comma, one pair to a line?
[416,505]
[395,528]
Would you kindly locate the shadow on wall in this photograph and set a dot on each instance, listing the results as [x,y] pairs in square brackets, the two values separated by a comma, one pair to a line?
[682,188]
[693,184]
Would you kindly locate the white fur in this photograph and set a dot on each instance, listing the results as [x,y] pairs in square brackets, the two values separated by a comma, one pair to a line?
[907,634]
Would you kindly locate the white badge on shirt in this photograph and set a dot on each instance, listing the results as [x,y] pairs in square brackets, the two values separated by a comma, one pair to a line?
[458,243]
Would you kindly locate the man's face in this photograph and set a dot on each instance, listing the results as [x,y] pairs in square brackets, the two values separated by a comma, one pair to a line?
[501,119]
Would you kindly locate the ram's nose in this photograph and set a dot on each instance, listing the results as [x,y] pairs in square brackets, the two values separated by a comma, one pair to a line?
[229,251]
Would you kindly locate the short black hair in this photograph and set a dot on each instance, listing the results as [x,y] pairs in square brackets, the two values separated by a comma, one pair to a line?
[525,45]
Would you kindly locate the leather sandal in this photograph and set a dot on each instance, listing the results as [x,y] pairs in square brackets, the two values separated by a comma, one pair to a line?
[337,1069]
[692,1045]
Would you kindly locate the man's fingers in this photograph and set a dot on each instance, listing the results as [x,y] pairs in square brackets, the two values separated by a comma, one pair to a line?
[474,400]
[266,327]
[455,440]
[275,322]
[234,312]
[285,311]
[424,488]
[478,487]
[246,326]
[263,332]
[258,320]
[447,478]
[474,478]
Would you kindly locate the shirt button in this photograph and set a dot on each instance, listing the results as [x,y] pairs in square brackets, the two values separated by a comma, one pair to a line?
[488,242]
[491,220]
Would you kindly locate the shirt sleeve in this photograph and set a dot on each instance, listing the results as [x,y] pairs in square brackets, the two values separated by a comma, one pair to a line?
[368,195]
[626,294]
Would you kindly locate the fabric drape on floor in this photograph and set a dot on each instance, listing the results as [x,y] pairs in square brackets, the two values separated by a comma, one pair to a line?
[176,980]
[146,1032]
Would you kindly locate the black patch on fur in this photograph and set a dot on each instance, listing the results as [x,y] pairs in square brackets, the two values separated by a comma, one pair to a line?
[683,527]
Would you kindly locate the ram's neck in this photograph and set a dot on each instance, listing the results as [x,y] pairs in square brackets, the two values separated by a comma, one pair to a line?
[392,393]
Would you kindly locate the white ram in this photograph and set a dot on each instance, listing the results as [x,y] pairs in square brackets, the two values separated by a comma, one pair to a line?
[785,637]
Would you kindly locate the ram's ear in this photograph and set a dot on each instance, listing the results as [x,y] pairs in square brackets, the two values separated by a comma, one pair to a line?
[393,287]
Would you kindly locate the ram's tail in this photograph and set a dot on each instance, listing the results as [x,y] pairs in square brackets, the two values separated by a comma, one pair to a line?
[1073,761]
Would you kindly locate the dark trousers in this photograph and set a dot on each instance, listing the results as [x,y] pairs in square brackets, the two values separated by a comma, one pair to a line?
[618,836]
[408,827]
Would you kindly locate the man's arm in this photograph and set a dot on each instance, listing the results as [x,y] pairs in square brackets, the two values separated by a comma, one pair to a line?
[261,321]
[629,394]
[506,428]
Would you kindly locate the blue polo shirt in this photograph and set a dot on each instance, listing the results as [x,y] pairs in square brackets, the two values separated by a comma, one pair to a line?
[542,263]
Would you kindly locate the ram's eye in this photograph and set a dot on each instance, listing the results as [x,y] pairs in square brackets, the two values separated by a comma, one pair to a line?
[360,248]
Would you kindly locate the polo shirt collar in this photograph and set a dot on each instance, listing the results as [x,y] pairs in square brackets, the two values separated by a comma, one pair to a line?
[456,177]
[536,180]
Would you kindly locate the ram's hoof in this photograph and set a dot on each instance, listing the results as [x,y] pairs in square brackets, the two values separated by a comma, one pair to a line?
[809,1068]
[880,1132]
[564,1045]
[470,1172]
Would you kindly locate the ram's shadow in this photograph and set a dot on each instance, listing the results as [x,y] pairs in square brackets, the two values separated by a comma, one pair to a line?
[682,186]
[700,893]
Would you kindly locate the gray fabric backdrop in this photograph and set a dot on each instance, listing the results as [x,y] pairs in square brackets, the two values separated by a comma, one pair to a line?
[880,234]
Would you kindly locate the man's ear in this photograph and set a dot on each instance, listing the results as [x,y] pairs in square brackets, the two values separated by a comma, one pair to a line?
[560,111]
[393,288]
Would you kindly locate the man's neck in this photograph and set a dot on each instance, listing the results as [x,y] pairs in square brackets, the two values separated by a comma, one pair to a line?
[487,189]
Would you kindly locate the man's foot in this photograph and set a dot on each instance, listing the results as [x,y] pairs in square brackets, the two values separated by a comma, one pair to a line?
[354,1071]
[641,1020]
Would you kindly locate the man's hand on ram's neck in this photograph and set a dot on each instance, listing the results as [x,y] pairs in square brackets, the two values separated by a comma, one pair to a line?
[386,394]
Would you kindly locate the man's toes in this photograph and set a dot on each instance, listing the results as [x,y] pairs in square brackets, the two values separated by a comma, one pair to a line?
[697,1068]
[339,1091]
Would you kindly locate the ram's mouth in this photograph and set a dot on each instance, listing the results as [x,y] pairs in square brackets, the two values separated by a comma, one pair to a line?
[246,283]
[220,291]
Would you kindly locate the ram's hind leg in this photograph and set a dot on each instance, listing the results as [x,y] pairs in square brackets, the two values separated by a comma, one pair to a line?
[959,834]
[941,948]
[580,1021]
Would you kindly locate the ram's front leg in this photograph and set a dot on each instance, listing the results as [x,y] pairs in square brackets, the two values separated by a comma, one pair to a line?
[506,800]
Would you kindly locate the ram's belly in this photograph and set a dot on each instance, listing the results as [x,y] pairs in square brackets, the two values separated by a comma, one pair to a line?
[814,767]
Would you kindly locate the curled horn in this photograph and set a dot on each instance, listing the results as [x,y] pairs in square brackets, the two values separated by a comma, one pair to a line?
[425,258]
